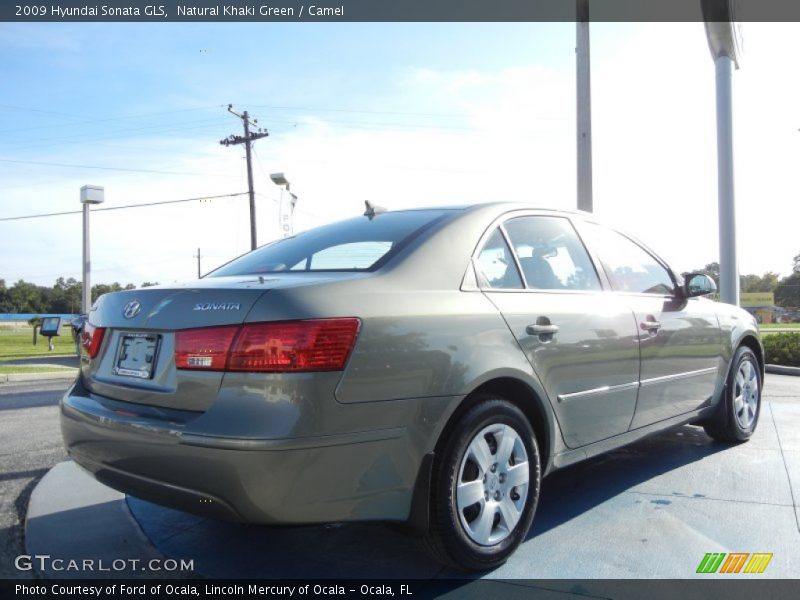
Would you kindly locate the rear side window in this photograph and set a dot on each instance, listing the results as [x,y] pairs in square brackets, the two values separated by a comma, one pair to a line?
[359,244]
[496,266]
[551,254]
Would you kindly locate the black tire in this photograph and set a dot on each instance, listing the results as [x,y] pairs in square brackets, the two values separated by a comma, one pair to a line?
[730,424]
[447,538]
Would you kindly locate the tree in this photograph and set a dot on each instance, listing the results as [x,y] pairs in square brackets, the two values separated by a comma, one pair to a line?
[787,293]
[5,301]
[63,298]
[104,288]
[25,297]
[753,283]
[66,296]
[796,267]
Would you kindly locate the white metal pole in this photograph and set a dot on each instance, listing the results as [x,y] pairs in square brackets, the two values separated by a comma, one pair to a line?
[87,285]
[728,265]
[584,106]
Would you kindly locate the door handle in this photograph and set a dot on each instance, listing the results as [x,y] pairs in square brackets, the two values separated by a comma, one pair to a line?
[541,329]
[651,325]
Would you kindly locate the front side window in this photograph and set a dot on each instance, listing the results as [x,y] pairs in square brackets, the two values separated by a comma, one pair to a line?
[496,267]
[630,268]
[551,254]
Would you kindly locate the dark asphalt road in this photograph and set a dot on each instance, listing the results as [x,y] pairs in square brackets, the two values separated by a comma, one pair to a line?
[31,445]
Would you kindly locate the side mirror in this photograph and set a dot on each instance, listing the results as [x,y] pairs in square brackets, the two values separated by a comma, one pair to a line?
[698,284]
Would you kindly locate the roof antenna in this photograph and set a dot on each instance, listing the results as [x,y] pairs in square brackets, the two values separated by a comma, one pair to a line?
[372,210]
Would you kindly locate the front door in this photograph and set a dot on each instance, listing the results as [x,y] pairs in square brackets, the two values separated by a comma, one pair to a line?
[680,340]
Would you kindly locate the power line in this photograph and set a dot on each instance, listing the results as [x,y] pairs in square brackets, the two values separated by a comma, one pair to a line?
[72,166]
[130,132]
[88,121]
[448,115]
[187,125]
[76,212]
[365,111]
[39,110]
[375,124]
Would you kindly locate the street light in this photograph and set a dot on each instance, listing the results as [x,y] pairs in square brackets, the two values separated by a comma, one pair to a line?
[285,218]
[90,194]
[279,179]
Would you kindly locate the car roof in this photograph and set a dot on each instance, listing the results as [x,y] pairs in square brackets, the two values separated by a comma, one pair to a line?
[501,206]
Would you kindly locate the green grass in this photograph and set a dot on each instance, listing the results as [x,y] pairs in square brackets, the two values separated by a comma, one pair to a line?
[8,369]
[18,343]
[768,329]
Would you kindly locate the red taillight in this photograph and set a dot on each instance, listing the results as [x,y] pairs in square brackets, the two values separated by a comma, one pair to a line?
[204,349]
[91,338]
[276,347]
[318,345]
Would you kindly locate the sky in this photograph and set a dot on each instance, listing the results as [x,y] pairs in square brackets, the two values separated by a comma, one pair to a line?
[405,115]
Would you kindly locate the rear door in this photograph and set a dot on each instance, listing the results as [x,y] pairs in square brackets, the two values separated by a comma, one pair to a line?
[680,340]
[580,341]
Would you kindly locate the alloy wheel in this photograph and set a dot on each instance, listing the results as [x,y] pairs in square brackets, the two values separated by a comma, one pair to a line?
[492,484]
[745,394]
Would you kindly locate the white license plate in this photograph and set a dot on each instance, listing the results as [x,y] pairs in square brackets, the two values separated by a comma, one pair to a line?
[136,355]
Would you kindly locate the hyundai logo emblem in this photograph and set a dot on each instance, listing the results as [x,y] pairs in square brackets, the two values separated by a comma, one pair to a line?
[132,309]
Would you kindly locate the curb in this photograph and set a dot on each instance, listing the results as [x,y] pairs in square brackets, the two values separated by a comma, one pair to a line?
[782,370]
[23,377]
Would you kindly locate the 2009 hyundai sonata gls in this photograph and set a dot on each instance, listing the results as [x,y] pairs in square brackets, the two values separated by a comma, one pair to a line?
[427,366]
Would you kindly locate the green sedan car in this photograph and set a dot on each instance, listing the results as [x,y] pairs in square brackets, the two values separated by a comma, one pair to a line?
[423,366]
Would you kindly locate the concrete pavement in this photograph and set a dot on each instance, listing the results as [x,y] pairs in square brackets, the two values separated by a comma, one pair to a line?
[650,510]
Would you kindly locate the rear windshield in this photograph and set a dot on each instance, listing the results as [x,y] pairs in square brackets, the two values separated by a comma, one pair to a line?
[358,244]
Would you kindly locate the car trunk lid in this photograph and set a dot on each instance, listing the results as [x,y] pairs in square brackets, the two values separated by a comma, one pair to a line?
[135,361]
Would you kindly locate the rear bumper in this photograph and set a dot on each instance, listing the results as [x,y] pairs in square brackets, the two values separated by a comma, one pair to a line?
[154,454]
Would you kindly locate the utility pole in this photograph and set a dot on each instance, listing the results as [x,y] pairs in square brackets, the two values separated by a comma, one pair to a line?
[247,140]
[197,256]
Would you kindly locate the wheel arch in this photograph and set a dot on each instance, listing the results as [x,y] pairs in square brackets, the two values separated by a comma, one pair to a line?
[510,388]
[751,341]
[521,395]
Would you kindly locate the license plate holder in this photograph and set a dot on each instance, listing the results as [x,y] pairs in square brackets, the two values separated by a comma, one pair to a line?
[136,355]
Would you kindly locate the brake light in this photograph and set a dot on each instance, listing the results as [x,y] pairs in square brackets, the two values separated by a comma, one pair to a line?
[318,345]
[274,347]
[91,338]
[204,349]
